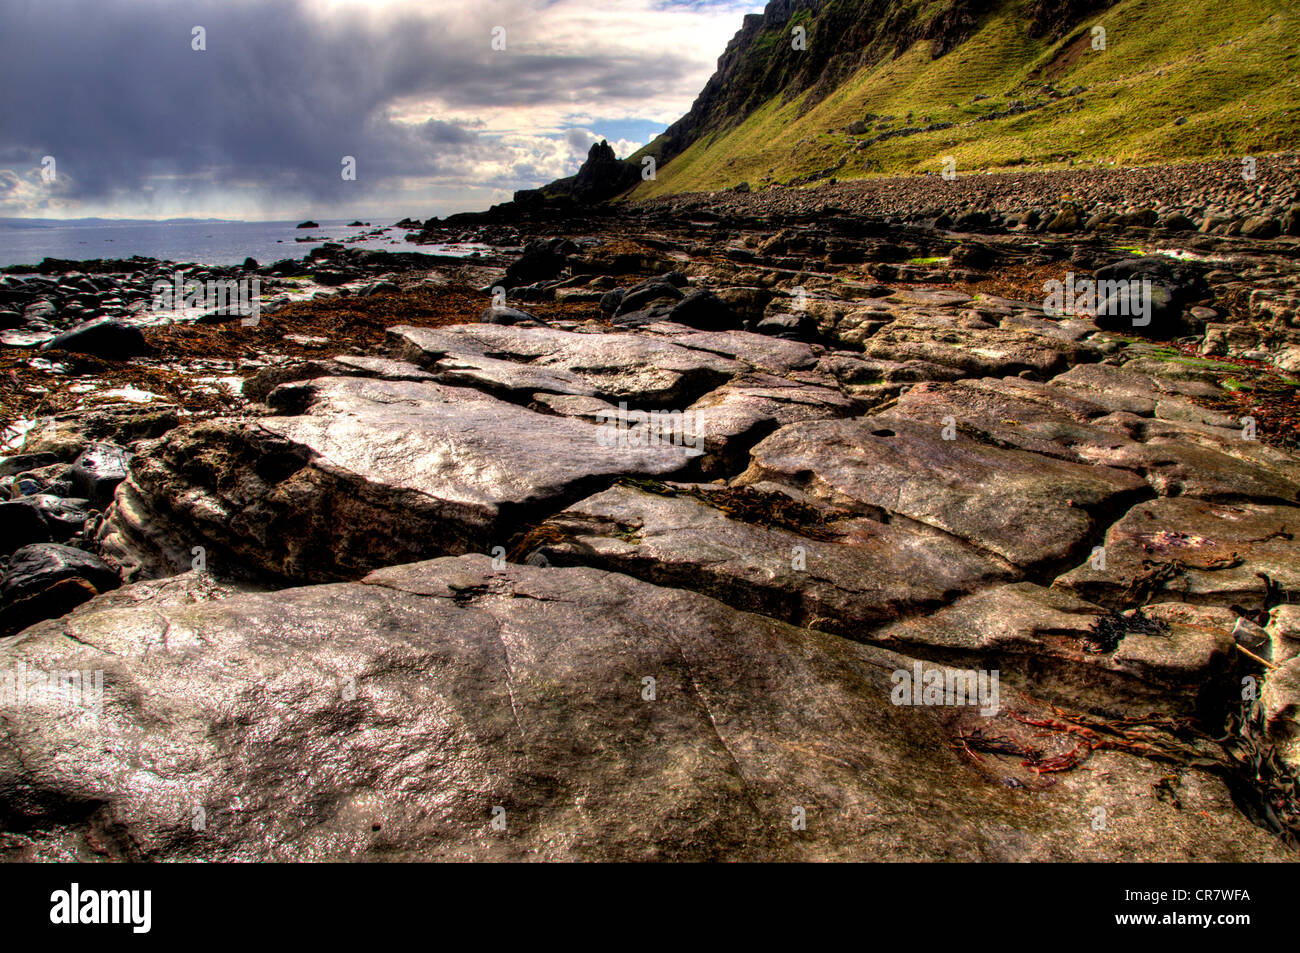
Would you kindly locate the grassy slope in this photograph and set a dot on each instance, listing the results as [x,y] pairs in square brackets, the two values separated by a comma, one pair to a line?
[1230,66]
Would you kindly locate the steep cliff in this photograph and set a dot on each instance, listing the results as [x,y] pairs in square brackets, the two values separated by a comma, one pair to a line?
[817,89]
[814,89]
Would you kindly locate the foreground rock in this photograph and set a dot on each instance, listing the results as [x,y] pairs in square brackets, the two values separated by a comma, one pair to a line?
[106,338]
[891,455]
[446,697]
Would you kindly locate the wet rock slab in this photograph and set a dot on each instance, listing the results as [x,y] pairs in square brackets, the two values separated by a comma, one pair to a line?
[991,352]
[368,473]
[651,371]
[1027,508]
[1054,644]
[397,717]
[854,571]
[1058,422]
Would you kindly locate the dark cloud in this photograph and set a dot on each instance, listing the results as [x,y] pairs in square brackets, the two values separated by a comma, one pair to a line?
[114,91]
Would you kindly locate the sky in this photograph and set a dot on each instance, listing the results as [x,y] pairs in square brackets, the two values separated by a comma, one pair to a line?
[109,109]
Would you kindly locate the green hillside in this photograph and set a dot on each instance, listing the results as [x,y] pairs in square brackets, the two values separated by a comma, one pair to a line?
[1228,68]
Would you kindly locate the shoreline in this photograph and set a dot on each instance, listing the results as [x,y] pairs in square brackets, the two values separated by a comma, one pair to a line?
[861,445]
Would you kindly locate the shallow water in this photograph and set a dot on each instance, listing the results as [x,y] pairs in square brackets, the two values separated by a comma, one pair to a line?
[208,243]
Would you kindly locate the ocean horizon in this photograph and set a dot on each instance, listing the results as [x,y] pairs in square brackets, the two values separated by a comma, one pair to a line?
[207,242]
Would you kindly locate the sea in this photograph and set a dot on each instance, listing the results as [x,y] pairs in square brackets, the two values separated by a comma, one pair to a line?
[28,241]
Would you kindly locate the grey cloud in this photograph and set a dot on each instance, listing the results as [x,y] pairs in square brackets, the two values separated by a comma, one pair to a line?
[114,91]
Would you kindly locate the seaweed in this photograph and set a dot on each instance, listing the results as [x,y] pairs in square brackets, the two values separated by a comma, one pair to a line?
[1109,630]
[1268,786]
[771,509]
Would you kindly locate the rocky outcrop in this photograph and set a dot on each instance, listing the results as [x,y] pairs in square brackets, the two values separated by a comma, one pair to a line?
[773,464]
[48,579]
[443,710]
[601,177]
[1031,510]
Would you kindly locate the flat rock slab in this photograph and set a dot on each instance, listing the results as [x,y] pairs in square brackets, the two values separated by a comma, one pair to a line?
[762,351]
[509,379]
[992,352]
[1194,551]
[852,369]
[856,571]
[933,297]
[383,367]
[726,422]
[1027,508]
[648,370]
[1127,389]
[371,473]
[398,717]
[1055,421]
[259,386]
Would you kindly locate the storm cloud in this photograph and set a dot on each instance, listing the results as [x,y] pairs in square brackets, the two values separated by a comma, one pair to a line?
[258,123]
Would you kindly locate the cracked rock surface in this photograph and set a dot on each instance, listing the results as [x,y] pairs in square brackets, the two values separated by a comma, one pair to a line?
[586,588]
[394,718]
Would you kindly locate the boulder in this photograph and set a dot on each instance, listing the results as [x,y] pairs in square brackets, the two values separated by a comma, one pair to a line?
[105,338]
[1290,224]
[1174,285]
[1066,220]
[794,327]
[974,255]
[377,287]
[704,310]
[63,517]
[541,260]
[45,580]
[503,315]
[21,524]
[1261,226]
[98,470]
[658,289]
